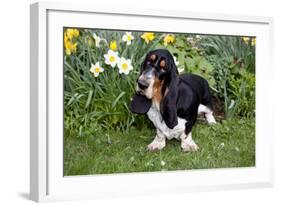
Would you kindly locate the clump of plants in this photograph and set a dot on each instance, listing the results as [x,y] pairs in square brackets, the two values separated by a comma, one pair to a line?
[233,59]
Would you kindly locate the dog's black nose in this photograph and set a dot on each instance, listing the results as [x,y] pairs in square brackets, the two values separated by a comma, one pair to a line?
[142,84]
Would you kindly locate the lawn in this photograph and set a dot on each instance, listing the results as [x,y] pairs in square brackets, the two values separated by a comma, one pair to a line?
[229,143]
[102,135]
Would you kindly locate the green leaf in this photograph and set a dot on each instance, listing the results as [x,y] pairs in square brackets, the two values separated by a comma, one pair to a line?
[117,99]
[89,98]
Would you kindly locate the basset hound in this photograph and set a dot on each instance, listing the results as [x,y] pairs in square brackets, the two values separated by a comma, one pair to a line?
[171,101]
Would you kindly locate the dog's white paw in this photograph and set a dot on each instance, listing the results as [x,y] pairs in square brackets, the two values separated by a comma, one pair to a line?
[156,145]
[210,119]
[189,146]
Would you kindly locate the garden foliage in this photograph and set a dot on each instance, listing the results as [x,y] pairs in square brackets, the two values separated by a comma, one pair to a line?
[101,68]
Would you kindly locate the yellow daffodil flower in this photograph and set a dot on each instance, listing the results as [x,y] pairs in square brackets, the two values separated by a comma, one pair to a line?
[169,38]
[113,45]
[253,41]
[246,39]
[96,69]
[72,33]
[148,37]
[70,47]
[65,38]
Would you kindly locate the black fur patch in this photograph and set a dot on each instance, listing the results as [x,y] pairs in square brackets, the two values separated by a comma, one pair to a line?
[140,104]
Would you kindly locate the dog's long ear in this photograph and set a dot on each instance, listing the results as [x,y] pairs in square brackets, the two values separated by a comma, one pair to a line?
[140,104]
[168,105]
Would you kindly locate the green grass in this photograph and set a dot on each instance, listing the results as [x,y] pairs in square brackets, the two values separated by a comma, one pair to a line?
[229,143]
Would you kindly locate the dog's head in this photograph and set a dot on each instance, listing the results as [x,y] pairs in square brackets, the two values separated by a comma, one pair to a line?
[157,82]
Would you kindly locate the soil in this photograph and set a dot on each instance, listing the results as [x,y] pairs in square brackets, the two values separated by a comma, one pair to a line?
[218,107]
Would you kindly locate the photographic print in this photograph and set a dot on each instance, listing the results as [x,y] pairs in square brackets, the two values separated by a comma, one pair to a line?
[144,101]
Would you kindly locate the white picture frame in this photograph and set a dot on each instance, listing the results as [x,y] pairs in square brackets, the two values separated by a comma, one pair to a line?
[47,182]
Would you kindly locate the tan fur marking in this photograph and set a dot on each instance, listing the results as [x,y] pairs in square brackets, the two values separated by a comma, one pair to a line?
[162,63]
[152,57]
[157,92]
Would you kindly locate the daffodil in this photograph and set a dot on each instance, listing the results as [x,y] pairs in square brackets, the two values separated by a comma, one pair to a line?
[249,40]
[96,69]
[70,33]
[97,40]
[89,40]
[128,37]
[65,39]
[124,66]
[147,37]
[246,39]
[113,45]
[111,58]
[70,47]
[69,44]
[169,38]
[253,41]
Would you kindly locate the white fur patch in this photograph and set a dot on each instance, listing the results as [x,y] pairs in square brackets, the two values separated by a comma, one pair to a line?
[155,116]
[148,92]
[158,143]
[208,113]
[187,143]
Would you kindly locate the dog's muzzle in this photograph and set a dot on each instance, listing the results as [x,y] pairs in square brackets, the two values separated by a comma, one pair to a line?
[145,79]
[143,84]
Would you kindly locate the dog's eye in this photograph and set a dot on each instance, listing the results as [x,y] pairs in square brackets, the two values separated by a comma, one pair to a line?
[152,57]
[162,64]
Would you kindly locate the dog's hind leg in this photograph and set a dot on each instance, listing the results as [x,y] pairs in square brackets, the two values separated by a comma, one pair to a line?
[208,113]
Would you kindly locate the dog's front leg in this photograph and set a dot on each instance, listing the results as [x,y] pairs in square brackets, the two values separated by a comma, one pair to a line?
[187,143]
[158,143]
